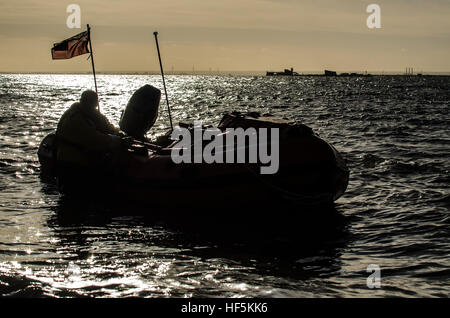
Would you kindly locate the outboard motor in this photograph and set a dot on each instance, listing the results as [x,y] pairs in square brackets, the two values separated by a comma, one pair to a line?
[141,112]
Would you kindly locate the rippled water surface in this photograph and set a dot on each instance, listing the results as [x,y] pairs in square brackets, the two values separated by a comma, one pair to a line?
[393,132]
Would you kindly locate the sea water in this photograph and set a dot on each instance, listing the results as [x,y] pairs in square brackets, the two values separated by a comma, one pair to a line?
[393,131]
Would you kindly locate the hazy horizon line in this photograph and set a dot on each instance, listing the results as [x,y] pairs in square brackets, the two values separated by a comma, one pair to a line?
[215,72]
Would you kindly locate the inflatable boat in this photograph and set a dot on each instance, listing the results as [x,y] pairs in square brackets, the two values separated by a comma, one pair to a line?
[308,170]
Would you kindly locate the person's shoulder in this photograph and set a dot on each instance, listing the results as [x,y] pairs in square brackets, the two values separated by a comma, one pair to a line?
[75,111]
[75,105]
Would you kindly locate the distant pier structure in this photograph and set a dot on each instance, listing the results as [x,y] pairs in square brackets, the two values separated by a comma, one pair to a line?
[333,73]
[290,72]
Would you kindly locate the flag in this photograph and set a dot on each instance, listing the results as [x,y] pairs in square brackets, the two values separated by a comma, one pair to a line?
[74,46]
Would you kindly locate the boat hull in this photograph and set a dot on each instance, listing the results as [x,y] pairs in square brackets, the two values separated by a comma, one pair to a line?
[311,172]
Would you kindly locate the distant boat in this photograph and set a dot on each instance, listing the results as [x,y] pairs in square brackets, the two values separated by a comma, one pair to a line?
[330,73]
[288,72]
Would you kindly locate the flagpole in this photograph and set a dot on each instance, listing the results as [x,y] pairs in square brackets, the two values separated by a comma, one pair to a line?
[162,74]
[92,60]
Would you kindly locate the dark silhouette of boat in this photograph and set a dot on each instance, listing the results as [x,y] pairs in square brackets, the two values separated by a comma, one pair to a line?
[286,72]
[311,171]
[330,73]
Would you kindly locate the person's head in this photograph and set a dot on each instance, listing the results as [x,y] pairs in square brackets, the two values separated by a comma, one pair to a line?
[89,99]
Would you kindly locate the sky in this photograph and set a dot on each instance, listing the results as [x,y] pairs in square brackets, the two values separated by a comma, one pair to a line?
[230,35]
